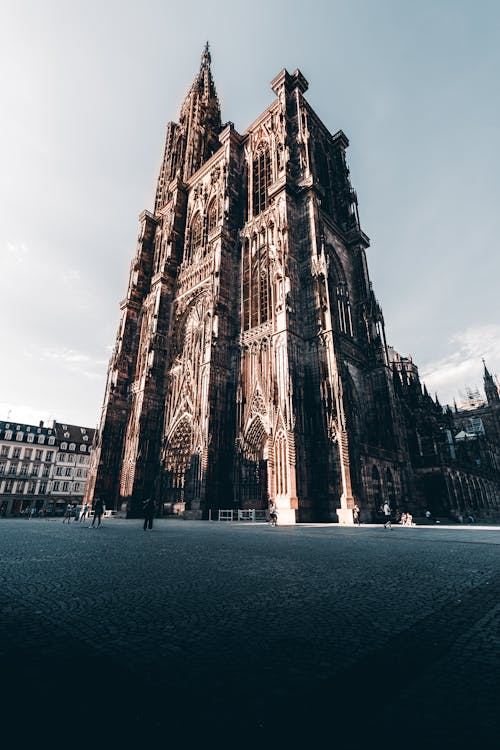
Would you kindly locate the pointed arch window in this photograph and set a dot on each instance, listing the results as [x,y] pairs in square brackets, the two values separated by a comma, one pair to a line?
[212,215]
[196,234]
[261,173]
[323,176]
[256,284]
[344,309]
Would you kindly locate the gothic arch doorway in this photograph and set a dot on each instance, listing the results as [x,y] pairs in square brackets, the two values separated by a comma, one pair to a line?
[182,467]
[254,492]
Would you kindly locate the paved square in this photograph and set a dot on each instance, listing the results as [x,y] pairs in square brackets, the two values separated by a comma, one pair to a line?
[246,634]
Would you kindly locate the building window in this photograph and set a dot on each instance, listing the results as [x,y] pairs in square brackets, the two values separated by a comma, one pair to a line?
[49,456]
[31,488]
[51,441]
[13,467]
[64,446]
[16,453]
[38,455]
[261,174]
[344,309]
[65,486]
[31,438]
[256,292]
[8,435]
[28,452]
[83,448]
[196,235]
[46,471]
[55,486]
[19,436]
[43,488]
[5,451]
[41,439]
[72,446]
[2,468]
[24,470]
[85,437]
[9,485]
[212,215]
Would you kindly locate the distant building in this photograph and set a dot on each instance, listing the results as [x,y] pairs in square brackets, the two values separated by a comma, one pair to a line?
[71,466]
[40,468]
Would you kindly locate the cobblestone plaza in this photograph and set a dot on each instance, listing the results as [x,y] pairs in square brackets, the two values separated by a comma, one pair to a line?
[195,632]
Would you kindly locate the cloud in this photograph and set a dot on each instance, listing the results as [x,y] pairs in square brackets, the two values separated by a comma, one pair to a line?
[71,360]
[16,253]
[462,367]
[24,414]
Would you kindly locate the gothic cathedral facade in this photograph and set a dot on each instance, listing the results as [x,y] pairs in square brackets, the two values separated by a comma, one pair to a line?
[250,362]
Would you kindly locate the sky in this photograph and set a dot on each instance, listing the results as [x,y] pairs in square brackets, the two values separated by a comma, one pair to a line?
[87,88]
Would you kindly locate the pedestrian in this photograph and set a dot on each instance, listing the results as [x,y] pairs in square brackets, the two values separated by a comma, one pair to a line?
[386,509]
[84,512]
[409,520]
[404,518]
[149,508]
[67,513]
[98,511]
[356,514]
[273,515]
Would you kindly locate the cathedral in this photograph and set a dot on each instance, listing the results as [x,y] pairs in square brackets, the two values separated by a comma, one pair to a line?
[251,363]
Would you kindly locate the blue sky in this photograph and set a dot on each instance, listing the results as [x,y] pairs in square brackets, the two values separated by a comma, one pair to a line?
[87,89]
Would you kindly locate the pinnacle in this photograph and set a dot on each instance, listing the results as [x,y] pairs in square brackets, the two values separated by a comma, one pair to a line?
[205,56]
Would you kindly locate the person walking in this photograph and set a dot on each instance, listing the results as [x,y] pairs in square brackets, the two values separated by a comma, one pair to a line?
[386,509]
[356,514]
[149,508]
[84,512]
[98,511]
[273,515]
[67,513]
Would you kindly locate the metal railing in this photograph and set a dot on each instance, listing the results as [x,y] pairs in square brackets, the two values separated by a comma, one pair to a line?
[251,514]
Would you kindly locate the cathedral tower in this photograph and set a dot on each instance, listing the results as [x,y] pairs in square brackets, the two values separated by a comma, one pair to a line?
[250,362]
[490,387]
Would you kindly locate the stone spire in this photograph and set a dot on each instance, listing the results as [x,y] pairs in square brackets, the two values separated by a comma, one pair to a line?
[490,387]
[193,140]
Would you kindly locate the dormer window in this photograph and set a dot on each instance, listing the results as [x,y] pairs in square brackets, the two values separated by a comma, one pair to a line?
[64,446]
[72,446]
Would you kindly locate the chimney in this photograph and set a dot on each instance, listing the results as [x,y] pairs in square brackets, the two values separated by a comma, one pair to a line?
[41,423]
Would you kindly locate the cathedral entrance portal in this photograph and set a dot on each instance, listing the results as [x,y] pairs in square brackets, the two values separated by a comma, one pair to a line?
[254,492]
[182,470]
